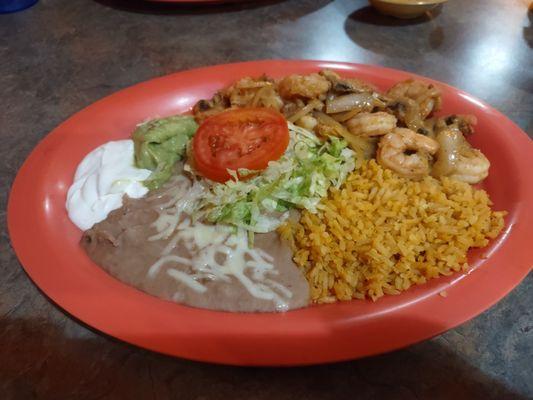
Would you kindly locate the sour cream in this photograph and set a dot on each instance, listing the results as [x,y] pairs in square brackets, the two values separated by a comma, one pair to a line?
[102,179]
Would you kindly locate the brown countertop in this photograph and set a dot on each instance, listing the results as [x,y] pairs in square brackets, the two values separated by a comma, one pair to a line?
[62,55]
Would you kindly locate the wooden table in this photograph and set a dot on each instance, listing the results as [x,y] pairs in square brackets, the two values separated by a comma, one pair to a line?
[62,55]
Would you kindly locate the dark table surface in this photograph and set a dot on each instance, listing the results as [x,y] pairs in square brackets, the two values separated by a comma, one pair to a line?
[62,55]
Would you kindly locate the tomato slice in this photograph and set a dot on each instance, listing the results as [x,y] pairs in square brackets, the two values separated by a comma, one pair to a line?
[241,138]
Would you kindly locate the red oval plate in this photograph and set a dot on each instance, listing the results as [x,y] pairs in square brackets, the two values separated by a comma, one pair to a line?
[46,242]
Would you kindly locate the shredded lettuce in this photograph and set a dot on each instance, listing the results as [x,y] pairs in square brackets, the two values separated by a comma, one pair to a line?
[299,179]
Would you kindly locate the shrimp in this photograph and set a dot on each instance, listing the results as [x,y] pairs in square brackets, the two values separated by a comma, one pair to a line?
[371,124]
[427,96]
[457,159]
[249,92]
[406,152]
[304,86]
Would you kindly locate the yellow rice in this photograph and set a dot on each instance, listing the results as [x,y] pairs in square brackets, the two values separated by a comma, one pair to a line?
[381,233]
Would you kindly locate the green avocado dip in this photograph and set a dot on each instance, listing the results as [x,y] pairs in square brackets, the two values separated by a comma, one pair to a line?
[159,144]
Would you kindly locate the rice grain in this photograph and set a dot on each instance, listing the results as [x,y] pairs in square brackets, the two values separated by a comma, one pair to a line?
[381,234]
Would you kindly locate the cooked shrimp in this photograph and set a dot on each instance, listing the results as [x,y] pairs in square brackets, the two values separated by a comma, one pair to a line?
[458,160]
[266,97]
[371,124]
[427,96]
[245,91]
[406,152]
[304,86]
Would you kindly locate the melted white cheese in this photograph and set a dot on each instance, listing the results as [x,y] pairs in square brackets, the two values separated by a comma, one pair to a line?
[220,252]
[103,177]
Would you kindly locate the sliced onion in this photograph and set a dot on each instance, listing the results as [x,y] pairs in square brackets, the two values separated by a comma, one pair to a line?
[328,120]
[345,116]
[363,147]
[313,105]
[349,102]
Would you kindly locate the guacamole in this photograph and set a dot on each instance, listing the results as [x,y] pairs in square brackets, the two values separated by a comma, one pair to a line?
[159,144]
